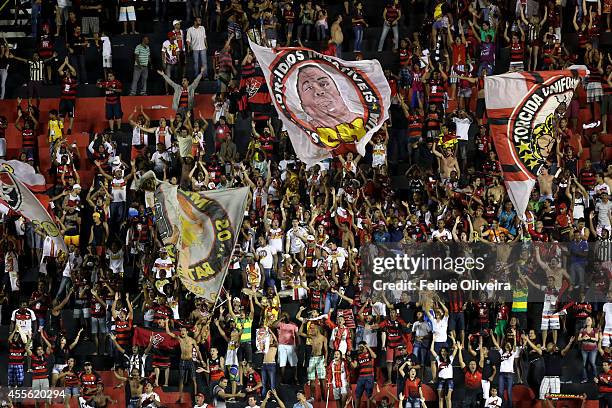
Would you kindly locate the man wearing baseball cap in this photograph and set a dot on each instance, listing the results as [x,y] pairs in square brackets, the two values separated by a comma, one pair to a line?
[199,401]
[170,58]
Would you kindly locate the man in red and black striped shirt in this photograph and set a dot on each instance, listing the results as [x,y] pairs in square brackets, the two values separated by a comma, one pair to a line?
[604,381]
[112,89]
[71,380]
[89,381]
[39,367]
[393,330]
[365,366]
[68,92]
[123,322]
[16,357]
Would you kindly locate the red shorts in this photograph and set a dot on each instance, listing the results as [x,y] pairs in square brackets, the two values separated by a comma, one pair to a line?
[391,352]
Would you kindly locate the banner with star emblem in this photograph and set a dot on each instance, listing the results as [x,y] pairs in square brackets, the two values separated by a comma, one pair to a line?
[15,195]
[523,110]
[204,227]
[328,106]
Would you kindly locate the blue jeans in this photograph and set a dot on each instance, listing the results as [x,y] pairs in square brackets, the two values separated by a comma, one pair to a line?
[358,32]
[420,351]
[588,364]
[412,402]
[331,301]
[268,375]
[364,384]
[383,36]
[65,284]
[321,32]
[505,383]
[576,271]
[117,214]
[485,66]
[192,7]
[199,60]
[36,10]
[160,9]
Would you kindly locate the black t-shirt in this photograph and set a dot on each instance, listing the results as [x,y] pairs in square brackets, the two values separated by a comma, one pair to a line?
[406,311]
[552,363]
[398,118]
[85,12]
[349,291]
[490,361]
[400,360]
[74,43]
[4,63]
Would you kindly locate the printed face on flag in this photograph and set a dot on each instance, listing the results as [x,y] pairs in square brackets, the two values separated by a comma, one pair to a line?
[326,103]
[321,99]
[328,106]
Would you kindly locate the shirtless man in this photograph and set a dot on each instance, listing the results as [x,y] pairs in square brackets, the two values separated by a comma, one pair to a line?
[479,222]
[496,192]
[269,360]
[447,162]
[553,269]
[336,35]
[188,345]
[135,387]
[316,364]
[100,400]
[545,182]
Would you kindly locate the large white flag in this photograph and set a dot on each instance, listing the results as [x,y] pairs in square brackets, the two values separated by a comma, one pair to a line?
[15,195]
[328,106]
[204,227]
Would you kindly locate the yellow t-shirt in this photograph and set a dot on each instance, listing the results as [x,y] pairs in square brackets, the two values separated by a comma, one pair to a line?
[55,130]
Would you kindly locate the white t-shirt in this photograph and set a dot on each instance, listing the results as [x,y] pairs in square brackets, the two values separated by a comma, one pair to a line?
[444,235]
[265,254]
[445,369]
[163,268]
[440,327]
[507,361]
[603,213]
[493,402]
[295,243]
[607,309]
[275,237]
[115,260]
[107,50]
[462,127]
[149,397]
[119,190]
[158,160]
[25,320]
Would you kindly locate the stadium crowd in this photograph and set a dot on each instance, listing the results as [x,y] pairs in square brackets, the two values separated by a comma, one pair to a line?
[296,307]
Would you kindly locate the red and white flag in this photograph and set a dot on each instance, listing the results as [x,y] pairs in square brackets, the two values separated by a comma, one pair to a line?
[523,109]
[15,195]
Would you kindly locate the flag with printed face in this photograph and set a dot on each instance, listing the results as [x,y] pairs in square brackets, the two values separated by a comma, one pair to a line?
[15,195]
[204,227]
[328,106]
[523,110]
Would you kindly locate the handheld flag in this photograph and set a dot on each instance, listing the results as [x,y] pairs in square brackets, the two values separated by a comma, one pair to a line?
[204,227]
[523,111]
[328,106]
[15,195]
